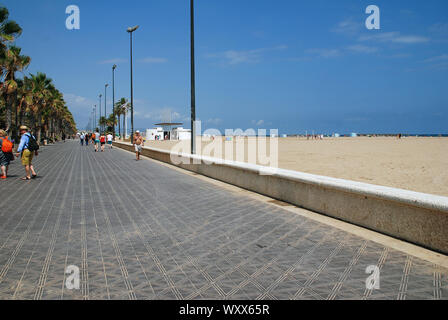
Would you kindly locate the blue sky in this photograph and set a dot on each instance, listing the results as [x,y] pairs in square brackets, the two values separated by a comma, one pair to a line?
[286,64]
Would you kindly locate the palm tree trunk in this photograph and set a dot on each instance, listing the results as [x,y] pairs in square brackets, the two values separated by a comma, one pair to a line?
[8,111]
[119,126]
[39,128]
[124,126]
[16,127]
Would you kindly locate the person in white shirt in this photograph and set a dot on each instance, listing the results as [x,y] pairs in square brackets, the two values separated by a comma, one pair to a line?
[97,136]
[110,138]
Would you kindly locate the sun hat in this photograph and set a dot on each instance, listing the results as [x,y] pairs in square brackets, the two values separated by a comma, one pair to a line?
[23,128]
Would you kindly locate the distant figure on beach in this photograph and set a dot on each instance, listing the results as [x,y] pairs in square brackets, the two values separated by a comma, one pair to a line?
[138,144]
[96,136]
[399,136]
[27,149]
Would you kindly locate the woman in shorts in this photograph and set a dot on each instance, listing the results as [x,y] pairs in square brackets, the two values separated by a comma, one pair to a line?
[103,142]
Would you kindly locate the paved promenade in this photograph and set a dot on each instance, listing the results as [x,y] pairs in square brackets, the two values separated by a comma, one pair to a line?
[141,230]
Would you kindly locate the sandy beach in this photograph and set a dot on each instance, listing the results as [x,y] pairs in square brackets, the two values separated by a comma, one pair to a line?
[413,163]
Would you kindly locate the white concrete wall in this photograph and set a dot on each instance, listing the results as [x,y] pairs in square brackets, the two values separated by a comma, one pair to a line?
[415,217]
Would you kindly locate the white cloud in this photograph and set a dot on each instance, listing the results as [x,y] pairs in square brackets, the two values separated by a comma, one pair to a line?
[78,103]
[348,26]
[358,48]
[439,28]
[111,61]
[394,37]
[325,53]
[161,115]
[153,60]
[258,122]
[233,57]
[438,62]
[214,121]
[443,57]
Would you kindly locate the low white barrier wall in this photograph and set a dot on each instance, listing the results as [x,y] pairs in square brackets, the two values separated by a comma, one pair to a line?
[412,216]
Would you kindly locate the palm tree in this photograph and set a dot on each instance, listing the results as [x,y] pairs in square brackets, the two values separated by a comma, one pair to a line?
[9,30]
[41,89]
[103,122]
[24,99]
[111,122]
[12,62]
[119,111]
[124,109]
[34,99]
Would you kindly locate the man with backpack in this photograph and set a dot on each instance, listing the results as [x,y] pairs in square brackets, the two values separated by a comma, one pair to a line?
[6,155]
[28,147]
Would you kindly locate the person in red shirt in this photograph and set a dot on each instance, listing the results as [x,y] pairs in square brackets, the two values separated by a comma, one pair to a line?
[103,142]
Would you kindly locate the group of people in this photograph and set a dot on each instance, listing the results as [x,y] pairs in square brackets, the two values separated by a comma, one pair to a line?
[97,139]
[100,140]
[28,148]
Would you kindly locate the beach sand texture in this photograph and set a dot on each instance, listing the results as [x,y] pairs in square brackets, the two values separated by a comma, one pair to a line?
[412,163]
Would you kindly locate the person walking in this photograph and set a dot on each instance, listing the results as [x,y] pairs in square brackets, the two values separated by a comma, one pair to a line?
[138,144]
[6,155]
[28,148]
[110,138]
[81,138]
[103,142]
[96,136]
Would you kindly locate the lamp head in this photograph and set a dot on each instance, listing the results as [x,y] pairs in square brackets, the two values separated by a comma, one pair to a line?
[132,29]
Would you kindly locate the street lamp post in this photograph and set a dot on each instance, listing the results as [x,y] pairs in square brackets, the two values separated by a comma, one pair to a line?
[105,101]
[101,126]
[94,117]
[113,98]
[130,31]
[193,85]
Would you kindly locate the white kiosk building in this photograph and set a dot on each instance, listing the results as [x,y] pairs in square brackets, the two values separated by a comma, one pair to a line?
[168,131]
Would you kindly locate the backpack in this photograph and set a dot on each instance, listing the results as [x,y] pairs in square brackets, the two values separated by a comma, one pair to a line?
[6,145]
[32,144]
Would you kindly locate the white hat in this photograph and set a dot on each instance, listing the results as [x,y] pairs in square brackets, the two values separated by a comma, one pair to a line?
[137,131]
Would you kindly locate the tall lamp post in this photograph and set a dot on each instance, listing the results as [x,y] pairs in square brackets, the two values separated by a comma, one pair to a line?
[99,107]
[131,31]
[193,84]
[94,117]
[105,101]
[113,98]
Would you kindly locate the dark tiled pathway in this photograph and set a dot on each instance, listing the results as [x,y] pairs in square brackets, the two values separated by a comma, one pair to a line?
[140,230]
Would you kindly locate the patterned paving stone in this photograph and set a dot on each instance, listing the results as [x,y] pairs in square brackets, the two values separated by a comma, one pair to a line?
[140,230]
